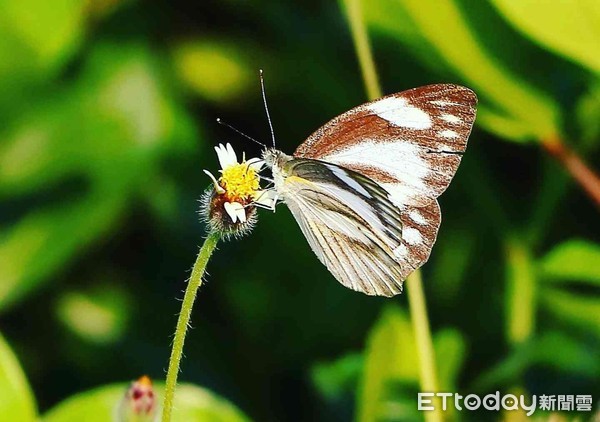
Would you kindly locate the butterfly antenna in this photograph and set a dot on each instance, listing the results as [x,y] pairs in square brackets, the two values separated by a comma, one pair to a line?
[239,132]
[264,97]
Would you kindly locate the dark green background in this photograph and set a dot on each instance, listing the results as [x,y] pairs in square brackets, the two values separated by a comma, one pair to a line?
[107,124]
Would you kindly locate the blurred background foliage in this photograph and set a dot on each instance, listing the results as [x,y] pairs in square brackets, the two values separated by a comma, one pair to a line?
[107,118]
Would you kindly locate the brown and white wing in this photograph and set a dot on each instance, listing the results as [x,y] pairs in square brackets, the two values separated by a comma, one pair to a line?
[355,229]
[411,143]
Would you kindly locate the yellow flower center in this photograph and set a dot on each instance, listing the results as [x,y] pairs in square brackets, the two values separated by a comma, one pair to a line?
[239,180]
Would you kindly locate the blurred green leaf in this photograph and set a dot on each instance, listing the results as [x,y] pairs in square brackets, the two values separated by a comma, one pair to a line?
[579,310]
[450,352]
[48,31]
[391,367]
[217,70]
[570,28]
[391,17]
[454,251]
[116,117]
[502,125]
[16,399]
[505,96]
[520,298]
[40,243]
[334,379]
[98,316]
[573,260]
[588,116]
[551,350]
[390,356]
[192,403]
[113,129]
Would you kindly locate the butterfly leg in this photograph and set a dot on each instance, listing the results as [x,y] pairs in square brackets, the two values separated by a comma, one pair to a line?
[267,200]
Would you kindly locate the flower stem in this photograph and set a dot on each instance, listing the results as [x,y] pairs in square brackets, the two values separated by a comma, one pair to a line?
[416,298]
[579,170]
[420,321]
[183,321]
[363,48]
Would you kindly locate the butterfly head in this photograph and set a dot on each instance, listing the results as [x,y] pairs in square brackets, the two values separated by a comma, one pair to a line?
[276,161]
[270,156]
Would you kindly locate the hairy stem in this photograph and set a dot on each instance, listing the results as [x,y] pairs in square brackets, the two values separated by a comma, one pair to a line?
[577,168]
[183,322]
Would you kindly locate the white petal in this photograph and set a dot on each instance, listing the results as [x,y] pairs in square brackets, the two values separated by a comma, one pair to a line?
[226,155]
[241,213]
[229,208]
[218,188]
[236,211]
[231,154]
[255,164]
[266,198]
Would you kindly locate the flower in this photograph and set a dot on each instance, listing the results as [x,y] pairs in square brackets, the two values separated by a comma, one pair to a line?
[230,206]
[139,402]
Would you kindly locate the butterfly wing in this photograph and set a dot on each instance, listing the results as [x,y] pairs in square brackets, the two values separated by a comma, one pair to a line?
[410,143]
[352,225]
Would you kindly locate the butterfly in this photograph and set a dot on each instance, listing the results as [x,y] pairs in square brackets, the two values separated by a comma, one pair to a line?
[363,188]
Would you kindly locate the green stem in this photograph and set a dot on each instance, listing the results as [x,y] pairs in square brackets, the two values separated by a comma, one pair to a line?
[416,298]
[426,353]
[363,48]
[183,322]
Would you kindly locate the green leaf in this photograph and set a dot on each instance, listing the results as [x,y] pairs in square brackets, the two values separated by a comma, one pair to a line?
[573,260]
[217,70]
[450,36]
[390,357]
[192,404]
[450,352]
[454,252]
[334,379]
[569,28]
[124,123]
[502,125]
[50,32]
[579,310]
[43,241]
[99,315]
[551,350]
[588,117]
[16,399]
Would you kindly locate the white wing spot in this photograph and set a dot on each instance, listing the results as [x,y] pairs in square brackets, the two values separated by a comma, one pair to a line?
[411,235]
[450,118]
[401,251]
[448,133]
[400,159]
[443,103]
[399,113]
[417,217]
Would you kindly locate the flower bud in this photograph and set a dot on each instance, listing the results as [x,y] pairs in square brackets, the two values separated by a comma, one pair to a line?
[139,403]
